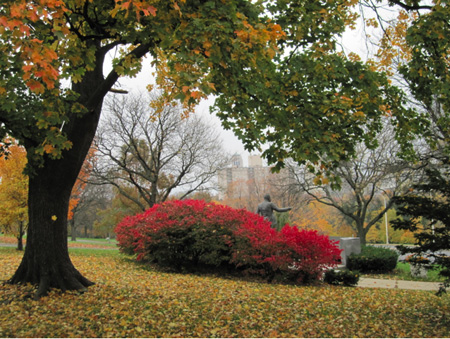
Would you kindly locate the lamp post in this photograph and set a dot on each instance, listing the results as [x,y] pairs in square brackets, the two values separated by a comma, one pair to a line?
[386,221]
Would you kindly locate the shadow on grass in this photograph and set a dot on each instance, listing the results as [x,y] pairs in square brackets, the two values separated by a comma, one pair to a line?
[229,273]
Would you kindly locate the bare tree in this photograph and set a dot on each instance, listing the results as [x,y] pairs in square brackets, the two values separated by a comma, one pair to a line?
[92,199]
[369,181]
[147,155]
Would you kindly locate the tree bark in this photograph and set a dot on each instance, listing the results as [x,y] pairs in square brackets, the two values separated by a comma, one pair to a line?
[46,261]
[362,232]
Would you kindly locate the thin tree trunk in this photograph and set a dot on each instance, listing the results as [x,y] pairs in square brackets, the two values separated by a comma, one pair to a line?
[362,233]
[20,237]
[73,229]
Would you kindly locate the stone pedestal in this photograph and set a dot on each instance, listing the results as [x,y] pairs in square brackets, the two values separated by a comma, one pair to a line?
[349,246]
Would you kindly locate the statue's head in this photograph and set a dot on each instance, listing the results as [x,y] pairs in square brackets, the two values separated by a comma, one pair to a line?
[267,197]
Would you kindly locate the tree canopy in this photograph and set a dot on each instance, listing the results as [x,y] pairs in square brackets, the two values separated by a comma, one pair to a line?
[45,43]
[273,66]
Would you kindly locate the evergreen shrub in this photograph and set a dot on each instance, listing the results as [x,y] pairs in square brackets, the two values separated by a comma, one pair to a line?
[373,260]
[195,235]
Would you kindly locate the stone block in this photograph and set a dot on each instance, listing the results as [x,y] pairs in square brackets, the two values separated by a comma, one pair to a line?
[348,245]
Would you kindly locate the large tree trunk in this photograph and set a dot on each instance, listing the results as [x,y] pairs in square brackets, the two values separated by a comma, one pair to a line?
[46,262]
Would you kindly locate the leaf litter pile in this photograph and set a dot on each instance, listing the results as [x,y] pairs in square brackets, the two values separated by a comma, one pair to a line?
[130,300]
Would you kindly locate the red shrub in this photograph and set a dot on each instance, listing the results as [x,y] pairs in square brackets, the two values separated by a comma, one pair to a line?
[190,234]
[311,251]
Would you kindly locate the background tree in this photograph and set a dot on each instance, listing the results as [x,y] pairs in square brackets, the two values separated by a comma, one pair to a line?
[14,193]
[88,212]
[426,72]
[148,155]
[109,216]
[78,192]
[430,205]
[384,232]
[323,218]
[369,181]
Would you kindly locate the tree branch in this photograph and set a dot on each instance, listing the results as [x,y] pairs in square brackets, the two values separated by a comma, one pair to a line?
[112,77]
[410,7]
[119,91]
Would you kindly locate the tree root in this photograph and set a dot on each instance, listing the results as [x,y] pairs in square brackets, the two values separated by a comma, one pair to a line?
[64,279]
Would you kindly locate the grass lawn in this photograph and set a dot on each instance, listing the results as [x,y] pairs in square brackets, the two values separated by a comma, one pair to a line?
[93,243]
[130,300]
[403,272]
[79,243]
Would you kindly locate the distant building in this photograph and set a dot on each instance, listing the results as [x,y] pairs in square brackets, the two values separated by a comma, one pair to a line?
[254,161]
[236,161]
[237,181]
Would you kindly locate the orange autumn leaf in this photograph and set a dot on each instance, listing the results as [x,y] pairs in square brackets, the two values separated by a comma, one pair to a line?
[48,149]
[35,86]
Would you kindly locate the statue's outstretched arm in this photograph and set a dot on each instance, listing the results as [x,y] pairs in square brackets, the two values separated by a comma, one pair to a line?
[281,209]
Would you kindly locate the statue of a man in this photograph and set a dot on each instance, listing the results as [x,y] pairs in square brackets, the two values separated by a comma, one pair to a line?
[266,209]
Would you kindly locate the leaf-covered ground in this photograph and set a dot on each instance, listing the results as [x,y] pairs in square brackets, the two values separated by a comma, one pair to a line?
[130,301]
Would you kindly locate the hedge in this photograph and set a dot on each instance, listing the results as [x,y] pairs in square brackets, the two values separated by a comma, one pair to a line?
[373,260]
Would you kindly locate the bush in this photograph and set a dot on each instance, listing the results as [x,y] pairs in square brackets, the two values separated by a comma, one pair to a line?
[341,277]
[289,255]
[373,260]
[193,235]
[180,234]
